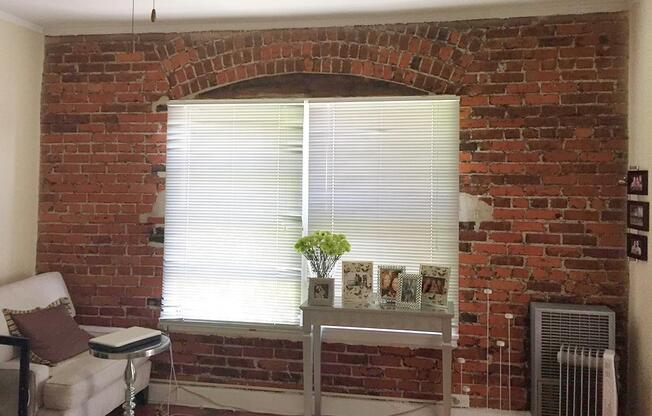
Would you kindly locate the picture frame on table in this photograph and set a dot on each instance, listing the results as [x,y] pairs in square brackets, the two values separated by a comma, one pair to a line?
[388,282]
[637,246]
[409,290]
[637,182]
[434,286]
[321,291]
[357,282]
[638,215]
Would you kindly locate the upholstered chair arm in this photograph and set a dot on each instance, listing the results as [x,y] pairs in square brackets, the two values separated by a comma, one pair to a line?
[23,373]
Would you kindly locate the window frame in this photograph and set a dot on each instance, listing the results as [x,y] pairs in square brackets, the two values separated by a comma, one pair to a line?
[288,331]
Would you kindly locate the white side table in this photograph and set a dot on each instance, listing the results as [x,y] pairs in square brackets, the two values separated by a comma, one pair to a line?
[130,370]
[437,322]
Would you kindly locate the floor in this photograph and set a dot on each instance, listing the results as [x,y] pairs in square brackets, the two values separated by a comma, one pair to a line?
[157,410]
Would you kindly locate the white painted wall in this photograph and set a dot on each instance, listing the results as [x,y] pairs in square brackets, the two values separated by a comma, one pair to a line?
[21,68]
[640,153]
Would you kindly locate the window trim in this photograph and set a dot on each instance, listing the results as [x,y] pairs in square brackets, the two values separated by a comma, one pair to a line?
[243,101]
[305,196]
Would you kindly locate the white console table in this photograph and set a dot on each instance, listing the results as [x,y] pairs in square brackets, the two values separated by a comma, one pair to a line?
[435,322]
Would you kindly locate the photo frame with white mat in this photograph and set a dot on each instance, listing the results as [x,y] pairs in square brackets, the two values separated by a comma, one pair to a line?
[638,215]
[637,246]
[434,287]
[357,282]
[409,290]
[321,291]
[388,282]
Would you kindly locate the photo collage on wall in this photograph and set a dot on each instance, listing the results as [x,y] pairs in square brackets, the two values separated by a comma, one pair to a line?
[638,214]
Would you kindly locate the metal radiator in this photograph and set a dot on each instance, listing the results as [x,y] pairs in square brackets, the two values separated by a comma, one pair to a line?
[587,382]
[557,329]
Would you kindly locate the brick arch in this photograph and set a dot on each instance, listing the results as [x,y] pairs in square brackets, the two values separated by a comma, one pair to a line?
[425,56]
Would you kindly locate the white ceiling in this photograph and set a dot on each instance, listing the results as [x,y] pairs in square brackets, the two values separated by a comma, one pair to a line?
[114,16]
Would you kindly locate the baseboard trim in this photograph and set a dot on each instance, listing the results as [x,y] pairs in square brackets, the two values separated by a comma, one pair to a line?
[290,402]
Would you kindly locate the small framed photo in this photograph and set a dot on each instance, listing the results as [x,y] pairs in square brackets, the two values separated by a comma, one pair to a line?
[637,182]
[637,246]
[409,290]
[388,282]
[321,291]
[357,282]
[434,288]
[638,215]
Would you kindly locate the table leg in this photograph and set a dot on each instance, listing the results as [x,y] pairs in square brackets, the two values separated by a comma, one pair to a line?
[316,353]
[307,370]
[130,391]
[447,380]
[447,365]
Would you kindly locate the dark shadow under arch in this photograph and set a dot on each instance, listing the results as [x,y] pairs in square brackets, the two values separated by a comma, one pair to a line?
[309,85]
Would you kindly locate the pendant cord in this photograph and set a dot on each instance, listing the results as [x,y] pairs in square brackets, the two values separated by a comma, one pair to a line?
[133,32]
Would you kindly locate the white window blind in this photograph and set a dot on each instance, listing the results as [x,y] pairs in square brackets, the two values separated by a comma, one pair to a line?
[233,212]
[385,173]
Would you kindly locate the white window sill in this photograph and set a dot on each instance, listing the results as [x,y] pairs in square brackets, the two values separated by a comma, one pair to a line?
[353,336]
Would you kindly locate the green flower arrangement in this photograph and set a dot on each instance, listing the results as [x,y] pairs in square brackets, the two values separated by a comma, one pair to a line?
[323,249]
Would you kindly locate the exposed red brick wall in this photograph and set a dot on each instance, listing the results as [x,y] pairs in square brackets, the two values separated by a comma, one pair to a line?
[543,142]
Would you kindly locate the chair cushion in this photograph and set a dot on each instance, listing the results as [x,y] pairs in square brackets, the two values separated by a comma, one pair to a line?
[52,332]
[74,381]
[109,399]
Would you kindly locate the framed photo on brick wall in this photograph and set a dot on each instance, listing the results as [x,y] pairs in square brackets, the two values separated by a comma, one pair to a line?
[638,215]
[637,182]
[637,246]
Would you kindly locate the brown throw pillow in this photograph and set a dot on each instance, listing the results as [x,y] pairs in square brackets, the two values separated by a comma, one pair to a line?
[53,334]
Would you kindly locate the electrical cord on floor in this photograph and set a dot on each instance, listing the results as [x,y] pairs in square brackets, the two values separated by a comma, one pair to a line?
[174,388]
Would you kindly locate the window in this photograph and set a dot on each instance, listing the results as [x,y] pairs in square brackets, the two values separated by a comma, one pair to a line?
[244,178]
[233,212]
[386,175]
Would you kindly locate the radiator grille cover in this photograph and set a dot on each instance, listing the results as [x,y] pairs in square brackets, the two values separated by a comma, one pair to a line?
[554,325]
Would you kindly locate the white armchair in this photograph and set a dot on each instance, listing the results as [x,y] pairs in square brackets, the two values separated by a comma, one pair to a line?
[80,386]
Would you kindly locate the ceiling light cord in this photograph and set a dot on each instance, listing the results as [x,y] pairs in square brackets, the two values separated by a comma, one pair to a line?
[133,32]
